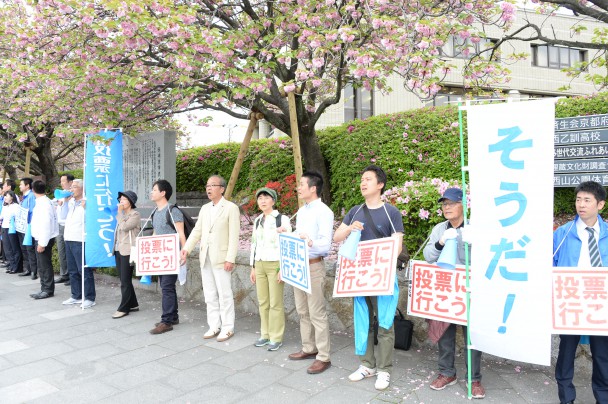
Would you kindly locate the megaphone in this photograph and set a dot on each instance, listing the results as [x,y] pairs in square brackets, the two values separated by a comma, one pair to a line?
[348,249]
[60,194]
[447,259]
[145,280]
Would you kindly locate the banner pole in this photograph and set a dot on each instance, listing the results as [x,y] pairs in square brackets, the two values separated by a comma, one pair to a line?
[84,224]
[463,168]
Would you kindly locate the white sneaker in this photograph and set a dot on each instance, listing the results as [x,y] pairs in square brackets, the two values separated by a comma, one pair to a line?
[383,380]
[225,336]
[210,334]
[361,373]
[71,300]
[88,304]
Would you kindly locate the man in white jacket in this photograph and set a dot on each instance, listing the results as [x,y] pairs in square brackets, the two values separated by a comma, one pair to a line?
[44,231]
[217,228]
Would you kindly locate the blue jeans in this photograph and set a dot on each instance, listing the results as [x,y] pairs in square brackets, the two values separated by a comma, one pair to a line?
[73,252]
[169,298]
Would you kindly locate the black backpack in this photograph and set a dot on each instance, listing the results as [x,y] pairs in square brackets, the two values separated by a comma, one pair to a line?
[189,222]
[277,221]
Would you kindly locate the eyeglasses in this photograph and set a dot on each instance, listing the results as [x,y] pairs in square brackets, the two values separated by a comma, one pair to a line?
[212,185]
[446,204]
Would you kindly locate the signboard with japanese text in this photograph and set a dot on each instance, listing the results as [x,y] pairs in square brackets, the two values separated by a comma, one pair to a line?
[294,265]
[437,294]
[572,180]
[158,255]
[102,182]
[575,123]
[581,148]
[146,158]
[511,182]
[21,220]
[580,301]
[372,273]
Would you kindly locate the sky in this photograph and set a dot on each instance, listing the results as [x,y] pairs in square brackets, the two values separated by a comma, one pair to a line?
[218,130]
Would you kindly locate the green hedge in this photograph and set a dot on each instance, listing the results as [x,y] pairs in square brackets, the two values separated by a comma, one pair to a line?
[267,160]
[408,146]
[430,150]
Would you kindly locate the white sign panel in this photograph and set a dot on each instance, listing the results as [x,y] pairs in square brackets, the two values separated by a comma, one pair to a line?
[511,181]
[158,255]
[295,269]
[372,273]
[437,294]
[21,220]
[580,301]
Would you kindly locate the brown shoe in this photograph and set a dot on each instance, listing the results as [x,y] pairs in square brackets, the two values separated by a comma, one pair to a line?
[161,328]
[302,355]
[477,390]
[318,367]
[176,322]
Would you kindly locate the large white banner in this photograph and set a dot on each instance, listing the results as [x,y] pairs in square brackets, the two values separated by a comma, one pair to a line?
[511,181]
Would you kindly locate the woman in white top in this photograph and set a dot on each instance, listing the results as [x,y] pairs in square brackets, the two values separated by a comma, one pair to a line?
[264,262]
[10,241]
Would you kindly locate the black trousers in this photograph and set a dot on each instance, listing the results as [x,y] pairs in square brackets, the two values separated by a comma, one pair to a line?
[10,245]
[125,272]
[45,267]
[29,255]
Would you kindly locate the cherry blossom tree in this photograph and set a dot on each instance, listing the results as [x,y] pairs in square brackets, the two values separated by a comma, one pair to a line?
[51,96]
[222,54]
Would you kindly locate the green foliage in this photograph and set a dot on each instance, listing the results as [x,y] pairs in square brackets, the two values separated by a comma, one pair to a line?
[266,160]
[77,173]
[417,202]
[409,146]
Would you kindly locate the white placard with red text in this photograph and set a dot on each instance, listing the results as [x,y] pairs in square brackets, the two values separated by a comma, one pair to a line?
[372,273]
[437,294]
[158,255]
[580,301]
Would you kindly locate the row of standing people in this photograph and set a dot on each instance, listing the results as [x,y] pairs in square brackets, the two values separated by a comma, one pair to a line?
[50,222]
[217,230]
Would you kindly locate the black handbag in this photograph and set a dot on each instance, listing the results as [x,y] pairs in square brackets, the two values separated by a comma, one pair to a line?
[404,331]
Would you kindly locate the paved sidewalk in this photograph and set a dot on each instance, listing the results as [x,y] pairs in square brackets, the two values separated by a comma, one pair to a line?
[51,353]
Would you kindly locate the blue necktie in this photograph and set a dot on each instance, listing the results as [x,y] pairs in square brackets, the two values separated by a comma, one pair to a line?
[594,252]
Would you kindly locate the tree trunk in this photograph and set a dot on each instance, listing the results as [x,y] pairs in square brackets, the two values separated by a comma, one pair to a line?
[11,172]
[44,152]
[313,159]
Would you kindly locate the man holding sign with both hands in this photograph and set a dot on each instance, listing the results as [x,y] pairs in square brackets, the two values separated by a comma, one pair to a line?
[375,220]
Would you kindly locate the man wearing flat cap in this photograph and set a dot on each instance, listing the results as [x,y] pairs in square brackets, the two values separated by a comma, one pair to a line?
[217,228]
[444,334]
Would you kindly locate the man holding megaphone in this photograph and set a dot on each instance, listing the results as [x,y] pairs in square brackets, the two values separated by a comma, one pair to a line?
[446,248]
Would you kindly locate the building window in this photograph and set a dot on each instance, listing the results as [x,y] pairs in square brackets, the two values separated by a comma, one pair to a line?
[556,57]
[456,47]
[358,103]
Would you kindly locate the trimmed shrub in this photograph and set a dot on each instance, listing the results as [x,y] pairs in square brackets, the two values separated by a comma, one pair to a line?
[267,160]
[417,202]
[409,146]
